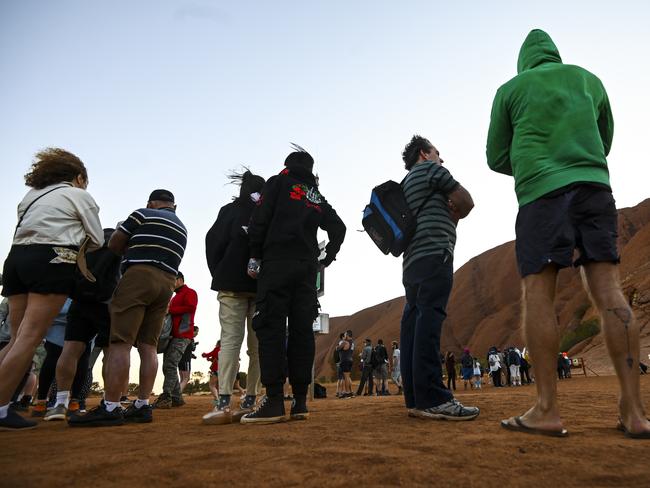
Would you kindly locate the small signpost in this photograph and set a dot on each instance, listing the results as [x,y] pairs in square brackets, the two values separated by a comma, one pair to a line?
[322,323]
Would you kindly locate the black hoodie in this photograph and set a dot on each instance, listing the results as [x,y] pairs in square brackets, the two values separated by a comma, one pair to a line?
[287,218]
[226,248]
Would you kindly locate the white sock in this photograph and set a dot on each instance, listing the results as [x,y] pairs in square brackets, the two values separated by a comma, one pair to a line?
[110,406]
[62,398]
[141,403]
[4,410]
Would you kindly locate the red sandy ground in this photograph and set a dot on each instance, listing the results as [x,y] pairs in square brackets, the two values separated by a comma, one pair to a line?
[365,441]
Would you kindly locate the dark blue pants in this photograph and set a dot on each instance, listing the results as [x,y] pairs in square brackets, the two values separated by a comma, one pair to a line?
[428,284]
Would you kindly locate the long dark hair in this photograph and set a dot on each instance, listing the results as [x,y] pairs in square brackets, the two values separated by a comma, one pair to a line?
[247,181]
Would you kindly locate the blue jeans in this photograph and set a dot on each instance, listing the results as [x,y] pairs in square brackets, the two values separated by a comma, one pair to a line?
[428,284]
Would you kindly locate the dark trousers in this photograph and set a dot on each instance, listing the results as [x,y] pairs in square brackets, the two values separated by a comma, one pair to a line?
[48,371]
[451,380]
[366,376]
[525,373]
[496,377]
[286,294]
[428,284]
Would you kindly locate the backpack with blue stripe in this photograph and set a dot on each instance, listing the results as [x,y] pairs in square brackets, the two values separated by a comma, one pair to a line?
[388,220]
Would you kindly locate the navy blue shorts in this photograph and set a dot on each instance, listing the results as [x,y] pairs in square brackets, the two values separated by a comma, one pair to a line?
[550,229]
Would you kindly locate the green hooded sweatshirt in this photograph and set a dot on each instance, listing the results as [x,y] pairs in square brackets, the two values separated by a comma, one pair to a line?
[551,125]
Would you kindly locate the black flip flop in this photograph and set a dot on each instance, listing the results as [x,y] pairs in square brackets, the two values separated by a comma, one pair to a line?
[631,435]
[521,427]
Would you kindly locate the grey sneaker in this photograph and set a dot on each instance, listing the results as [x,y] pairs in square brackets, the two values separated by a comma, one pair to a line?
[55,413]
[451,410]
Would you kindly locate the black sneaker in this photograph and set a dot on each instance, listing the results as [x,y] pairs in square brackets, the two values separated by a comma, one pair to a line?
[142,415]
[98,417]
[269,411]
[299,408]
[18,407]
[14,421]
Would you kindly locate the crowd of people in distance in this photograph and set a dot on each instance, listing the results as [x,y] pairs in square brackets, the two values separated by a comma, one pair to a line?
[75,289]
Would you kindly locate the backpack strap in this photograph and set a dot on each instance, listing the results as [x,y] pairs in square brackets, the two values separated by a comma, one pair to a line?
[426,199]
[20,220]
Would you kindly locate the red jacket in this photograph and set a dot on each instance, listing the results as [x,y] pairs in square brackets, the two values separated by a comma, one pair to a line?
[182,308]
[213,356]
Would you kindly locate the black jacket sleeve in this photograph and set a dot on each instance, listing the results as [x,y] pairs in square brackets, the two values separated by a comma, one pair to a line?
[262,216]
[216,240]
[335,228]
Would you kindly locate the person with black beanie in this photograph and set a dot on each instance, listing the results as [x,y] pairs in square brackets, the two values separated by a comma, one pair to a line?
[284,257]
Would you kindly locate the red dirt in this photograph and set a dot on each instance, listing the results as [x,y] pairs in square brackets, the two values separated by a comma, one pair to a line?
[363,441]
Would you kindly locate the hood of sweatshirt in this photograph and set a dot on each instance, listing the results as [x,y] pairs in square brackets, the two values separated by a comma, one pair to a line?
[538,48]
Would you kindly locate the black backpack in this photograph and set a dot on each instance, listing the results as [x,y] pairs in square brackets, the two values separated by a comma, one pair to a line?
[388,220]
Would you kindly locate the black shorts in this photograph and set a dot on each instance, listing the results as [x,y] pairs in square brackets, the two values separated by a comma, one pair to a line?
[87,320]
[346,366]
[551,228]
[39,268]
[185,364]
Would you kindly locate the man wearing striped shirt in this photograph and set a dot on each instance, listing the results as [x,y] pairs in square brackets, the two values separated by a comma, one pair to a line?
[438,202]
[153,241]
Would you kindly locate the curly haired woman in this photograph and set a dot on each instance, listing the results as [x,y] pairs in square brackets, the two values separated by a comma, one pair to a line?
[54,218]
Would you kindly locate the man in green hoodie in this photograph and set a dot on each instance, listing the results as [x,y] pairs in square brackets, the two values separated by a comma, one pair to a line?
[551,129]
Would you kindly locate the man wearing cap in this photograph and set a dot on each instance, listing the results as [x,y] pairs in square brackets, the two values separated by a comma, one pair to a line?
[182,309]
[152,241]
[284,251]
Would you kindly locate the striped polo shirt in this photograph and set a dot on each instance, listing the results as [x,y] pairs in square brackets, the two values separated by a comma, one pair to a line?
[435,230]
[157,237]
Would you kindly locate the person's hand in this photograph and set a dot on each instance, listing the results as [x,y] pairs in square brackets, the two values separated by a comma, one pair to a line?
[253,268]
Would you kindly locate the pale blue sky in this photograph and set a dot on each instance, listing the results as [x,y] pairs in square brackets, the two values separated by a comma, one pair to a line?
[173,94]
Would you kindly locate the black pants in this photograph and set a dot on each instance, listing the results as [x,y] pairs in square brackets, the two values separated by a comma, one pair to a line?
[496,377]
[366,376]
[48,371]
[286,294]
[525,373]
[428,284]
[451,380]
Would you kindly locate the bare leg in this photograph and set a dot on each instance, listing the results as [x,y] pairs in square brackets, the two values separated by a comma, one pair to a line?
[38,316]
[117,365]
[185,379]
[17,306]
[148,369]
[542,339]
[214,387]
[66,367]
[621,333]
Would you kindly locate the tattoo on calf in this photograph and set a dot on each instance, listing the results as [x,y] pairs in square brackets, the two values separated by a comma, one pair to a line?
[625,316]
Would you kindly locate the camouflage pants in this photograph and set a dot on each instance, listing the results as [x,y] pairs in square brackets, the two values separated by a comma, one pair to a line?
[171,358]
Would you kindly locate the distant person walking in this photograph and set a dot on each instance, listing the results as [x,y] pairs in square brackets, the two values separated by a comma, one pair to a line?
[552,128]
[494,363]
[396,372]
[346,355]
[367,369]
[466,368]
[450,365]
[439,202]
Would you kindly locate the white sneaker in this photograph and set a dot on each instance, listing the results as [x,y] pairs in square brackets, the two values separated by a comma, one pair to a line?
[218,416]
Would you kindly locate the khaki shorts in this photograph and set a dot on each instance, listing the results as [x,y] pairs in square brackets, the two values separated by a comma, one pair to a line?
[139,304]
